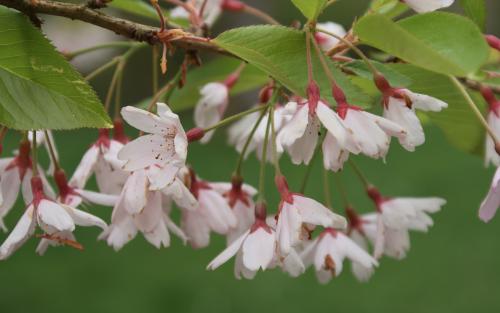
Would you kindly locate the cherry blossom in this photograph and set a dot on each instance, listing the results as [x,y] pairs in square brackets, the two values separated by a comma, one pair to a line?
[300,135]
[367,133]
[213,103]
[212,213]
[255,249]
[328,251]
[394,219]
[400,105]
[422,6]
[327,42]
[56,220]
[298,215]
[491,202]
[15,175]
[239,198]
[491,154]
[140,209]
[163,151]
[102,160]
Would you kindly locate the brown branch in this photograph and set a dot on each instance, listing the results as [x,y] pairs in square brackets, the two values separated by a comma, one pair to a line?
[477,86]
[132,30]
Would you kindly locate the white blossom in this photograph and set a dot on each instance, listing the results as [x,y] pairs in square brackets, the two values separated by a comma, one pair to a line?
[422,6]
[491,202]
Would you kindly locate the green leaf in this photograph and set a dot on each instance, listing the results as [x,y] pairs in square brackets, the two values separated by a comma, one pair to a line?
[389,8]
[476,11]
[281,52]
[438,41]
[143,9]
[39,89]
[359,68]
[136,7]
[458,123]
[310,8]
[217,70]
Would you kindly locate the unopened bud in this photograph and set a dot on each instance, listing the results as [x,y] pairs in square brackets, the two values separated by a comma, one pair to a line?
[265,94]
[231,80]
[493,41]
[195,134]
[233,5]
[382,83]
[338,95]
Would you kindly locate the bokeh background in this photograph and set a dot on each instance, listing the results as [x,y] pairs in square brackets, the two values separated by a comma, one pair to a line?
[453,268]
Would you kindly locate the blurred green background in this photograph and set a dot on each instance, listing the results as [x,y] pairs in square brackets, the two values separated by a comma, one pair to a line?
[453,268]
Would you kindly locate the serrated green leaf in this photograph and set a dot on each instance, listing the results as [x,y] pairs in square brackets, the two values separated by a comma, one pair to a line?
[281,52]
[476,11]
[458,123]
[359,68]
[438,41]
[39,89]
[310,8]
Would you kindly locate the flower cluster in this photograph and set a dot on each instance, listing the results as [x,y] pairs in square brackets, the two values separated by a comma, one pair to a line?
[146,178]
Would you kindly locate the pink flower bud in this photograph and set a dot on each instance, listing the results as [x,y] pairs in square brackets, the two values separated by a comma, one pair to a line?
[493,41]
[195,134]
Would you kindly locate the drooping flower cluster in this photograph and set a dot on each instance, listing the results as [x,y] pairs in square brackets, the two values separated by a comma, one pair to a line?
[145,179]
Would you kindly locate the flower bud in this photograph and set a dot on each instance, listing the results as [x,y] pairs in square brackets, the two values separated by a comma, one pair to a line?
[195,134]
[493,41]
[233,5]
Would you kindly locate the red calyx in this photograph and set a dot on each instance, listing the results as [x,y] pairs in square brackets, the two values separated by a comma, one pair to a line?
[355,221]
[196,184]
[489,96]
[376,197]
[62,184]
[103,138]
[237,193]
[338,95]
[231,79]
[283,189]
[342,110]
[493,41]
[195,134]
[388,91]
[260,218]
[382,83]
[119,131]
[265,94]
[233,5]
[37,189]
[329,231]
[23,160]
[313,96]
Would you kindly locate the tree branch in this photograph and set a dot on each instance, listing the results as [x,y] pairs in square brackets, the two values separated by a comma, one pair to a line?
[477,86]
[132,30]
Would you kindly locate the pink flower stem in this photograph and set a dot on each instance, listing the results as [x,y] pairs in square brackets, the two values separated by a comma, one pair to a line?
[34,162]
